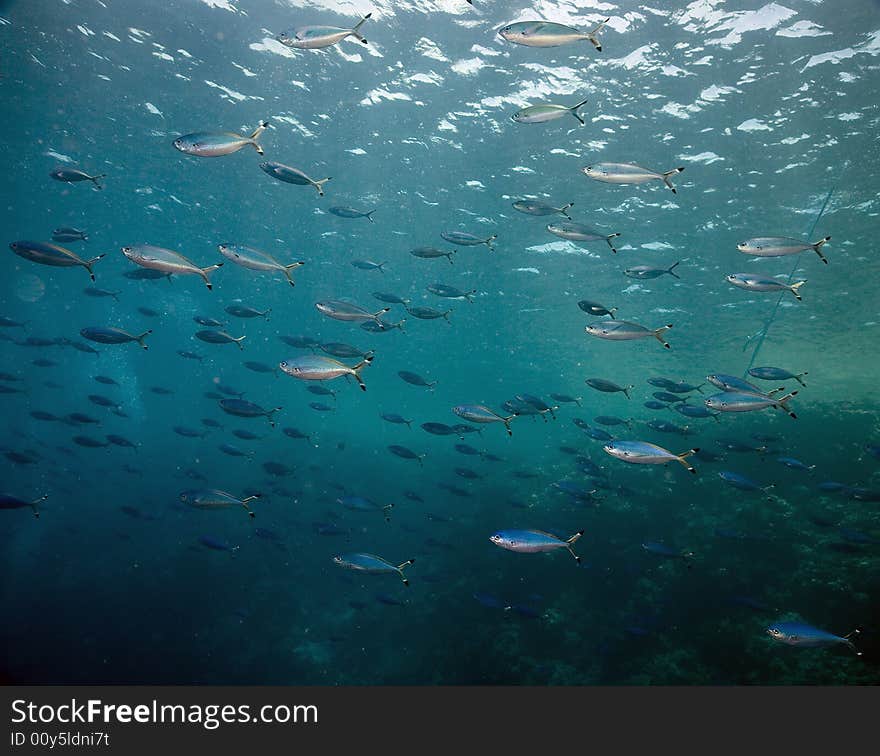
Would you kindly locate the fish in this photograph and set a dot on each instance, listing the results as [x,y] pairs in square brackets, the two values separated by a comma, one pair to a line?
[167,261]
[731,383]
[661,549]
[662,426]
[350,212]
[428,313]
[8,501]
[594,308]
[300,342]
[260,367]
[465,239]
[390,298]
[216,544]
[414,379]
[733,401]
[537,404]
[102,401]
[477,413]
[317,37]
[579,232]
[214,499]
[534,541]
[536,207]
[608,387]
[104,335]
[316,368]
[99,293]
[293,176]
[53,255]
[347,312]
[381,325]
[246,435]
[429,253]
[244,408]
[628,173]
[647,272]
[547,111]
[150,313]
[779,246]
[145,274]
[44,416]
[369,265]
[795,464]
[776,374]
[190,355]
[623,330]
[65,234]
[234,451]
[89,442]
[549,34]
[371,564]
[209,322]
[611,420]
[239,310]
[405,453]
[254,259]
[10,323]
[741,482]
[752,282]
[296,433]
[321,407]
[806,636]
[566,399]
[212,336]
[643,453]
[75,175]
[665,396]
[439,429]
[450,292]
[219,143]
[392,417]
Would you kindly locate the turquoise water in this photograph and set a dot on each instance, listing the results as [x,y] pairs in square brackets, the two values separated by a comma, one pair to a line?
[771,108]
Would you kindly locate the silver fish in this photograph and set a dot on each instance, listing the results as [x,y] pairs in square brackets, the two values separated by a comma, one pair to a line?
[751,282]
[254,259]
[549,34]
[316,37]
[536,207]
[217,144]
[167,261]
[74,175]
[579,232]
[622,330]
[345,311]
[317,368]
[293,176]
[547,111]
[51,254]
[643,453]
[779,246]
[628,173]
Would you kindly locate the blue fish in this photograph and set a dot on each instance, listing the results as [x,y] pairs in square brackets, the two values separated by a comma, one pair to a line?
[806,636]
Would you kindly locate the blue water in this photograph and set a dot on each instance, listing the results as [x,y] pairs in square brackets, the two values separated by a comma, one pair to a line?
[771,108]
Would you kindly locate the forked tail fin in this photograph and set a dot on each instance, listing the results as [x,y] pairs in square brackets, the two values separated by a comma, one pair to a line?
[668,175]
[683,459]
[356,31]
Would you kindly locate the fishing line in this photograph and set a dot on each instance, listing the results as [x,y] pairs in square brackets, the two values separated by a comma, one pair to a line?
[769,321]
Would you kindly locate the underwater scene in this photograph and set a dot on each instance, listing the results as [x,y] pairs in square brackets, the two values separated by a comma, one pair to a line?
[440,342]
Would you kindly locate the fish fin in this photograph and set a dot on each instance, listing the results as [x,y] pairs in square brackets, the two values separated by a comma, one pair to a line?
[849,642]
[381,312]
[794,289]
[506,421]
[96,180]
[658,334]
[36,502]
[626,392]
[369,215]
[683,457]
[578,116]
[799,376]
[272,412]
[817,248]
[356,370]
[490,240]
[449,256]
[673,267]
[140,339]
[608,242]
[446,316]
[319,185]
[611,312]
[89,263]
[205,271]
[783,402]
[253,137]
[356,31]
[564,209]
[239,340]
[668,174]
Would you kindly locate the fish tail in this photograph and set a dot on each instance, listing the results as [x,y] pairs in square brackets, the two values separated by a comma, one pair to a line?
[266,314]
[817,248]
[801,375]
[205,271]
[611,312]
[96,179]
[356,31]
[783,402]
[591,35]
[446,316]
[683,459]
[490,240]
[668,174]
[369,216]
[564,209]
[700,388]
[608,242]
[244,503]
[288,268]
[506,421]
[36,502]
[570,541]
[253,137]
[794,288]
[450,256]
[356,370]
[849,642]
[400,324]
[381,267]
[400,568]
[658,334]
[140,339]
[239,340]
[626,391]
[470,294]
[387,512]
[573,111]
[672,268]
[319,185]
[89,263]
[272,412]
